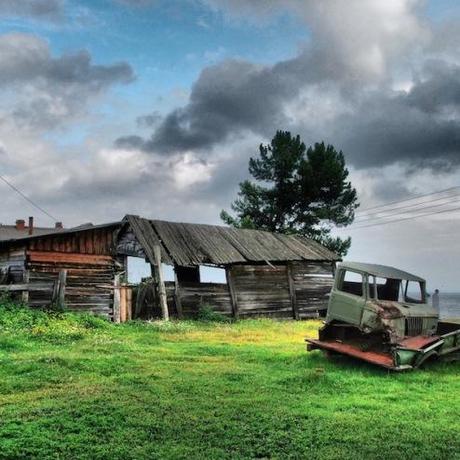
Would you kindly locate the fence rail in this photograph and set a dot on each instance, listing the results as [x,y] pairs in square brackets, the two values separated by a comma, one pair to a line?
[56,289]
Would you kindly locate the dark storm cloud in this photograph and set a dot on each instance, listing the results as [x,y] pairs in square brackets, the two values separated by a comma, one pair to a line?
[440,90]
[227,98]
[420,127]
[27,57]
[383,127]
[37,9]
[149,121]
[349,67]
[50,90]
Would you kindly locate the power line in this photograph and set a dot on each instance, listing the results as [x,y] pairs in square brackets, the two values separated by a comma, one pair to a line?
[457,187]
[402,219]
[408,209]
[28,199]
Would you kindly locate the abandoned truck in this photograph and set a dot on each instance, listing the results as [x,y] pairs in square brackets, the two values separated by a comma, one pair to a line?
[381,315]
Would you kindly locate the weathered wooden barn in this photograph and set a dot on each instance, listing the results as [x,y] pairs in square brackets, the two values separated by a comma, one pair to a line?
[283,276]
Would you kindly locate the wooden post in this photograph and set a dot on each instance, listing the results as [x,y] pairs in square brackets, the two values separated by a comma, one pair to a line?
[231,289]
[116,299]
[180,312]
[161,283]
[25,294]
[122,304]
[61,288]
[129,303]
[292,294]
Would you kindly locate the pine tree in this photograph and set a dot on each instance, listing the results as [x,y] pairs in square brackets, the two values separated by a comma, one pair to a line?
[296,191]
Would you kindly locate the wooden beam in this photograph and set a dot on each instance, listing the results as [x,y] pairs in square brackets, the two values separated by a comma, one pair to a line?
[177,295]
[30,287]
[116,299]
[123,310]
[129,303]
[161,283]
[231,289]
[292,294]
[25,294]
[62,281]
[72,258]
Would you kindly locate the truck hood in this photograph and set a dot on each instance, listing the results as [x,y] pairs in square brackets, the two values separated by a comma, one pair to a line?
[389,309]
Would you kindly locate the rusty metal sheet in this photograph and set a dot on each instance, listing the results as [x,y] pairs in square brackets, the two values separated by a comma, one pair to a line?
[373,357]
[417,342]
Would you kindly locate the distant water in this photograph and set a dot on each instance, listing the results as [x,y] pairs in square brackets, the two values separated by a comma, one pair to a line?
[449,304]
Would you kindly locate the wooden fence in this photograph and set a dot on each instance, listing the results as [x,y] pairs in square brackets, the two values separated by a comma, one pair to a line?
[55,289]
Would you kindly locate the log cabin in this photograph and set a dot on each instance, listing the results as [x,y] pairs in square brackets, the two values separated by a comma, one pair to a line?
[85,269]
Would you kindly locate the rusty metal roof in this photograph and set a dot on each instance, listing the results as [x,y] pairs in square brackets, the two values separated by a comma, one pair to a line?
[197,244]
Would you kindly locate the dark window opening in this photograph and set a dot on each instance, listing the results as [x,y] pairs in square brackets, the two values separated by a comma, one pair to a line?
[396,290]
[352,283]
[384,288]
[188,274]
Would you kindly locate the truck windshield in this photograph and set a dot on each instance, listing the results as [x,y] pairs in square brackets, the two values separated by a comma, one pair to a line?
[396,290]
[414,292]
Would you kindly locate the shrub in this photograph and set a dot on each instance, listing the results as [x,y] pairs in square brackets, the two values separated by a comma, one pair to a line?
[50,326]
[207,314]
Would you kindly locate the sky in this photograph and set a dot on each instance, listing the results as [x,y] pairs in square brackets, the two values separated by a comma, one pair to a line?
[154,107]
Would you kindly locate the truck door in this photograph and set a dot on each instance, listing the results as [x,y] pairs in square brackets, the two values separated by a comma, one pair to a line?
[348,297]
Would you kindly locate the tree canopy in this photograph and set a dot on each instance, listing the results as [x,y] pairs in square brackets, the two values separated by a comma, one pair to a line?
[296,191]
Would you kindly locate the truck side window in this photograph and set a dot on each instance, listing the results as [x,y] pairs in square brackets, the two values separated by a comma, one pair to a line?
[352,283]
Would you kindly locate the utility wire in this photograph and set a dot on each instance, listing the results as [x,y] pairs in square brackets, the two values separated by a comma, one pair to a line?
[408,209]
[402,219]
[28,199]
[361,211]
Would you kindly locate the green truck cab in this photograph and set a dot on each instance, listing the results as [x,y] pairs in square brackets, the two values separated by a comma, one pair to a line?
[381,314]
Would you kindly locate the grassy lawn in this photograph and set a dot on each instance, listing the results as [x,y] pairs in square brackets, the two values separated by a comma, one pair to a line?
[77,387]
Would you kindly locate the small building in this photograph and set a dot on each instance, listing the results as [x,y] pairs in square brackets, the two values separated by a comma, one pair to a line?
[85,268]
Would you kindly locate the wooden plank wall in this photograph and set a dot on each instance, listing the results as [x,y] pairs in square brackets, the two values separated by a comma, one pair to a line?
[92,241]
[312,282]
[128,245]
[261,290]
[90,280]
[194,295]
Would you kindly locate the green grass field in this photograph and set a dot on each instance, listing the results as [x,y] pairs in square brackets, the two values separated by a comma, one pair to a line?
[78,387]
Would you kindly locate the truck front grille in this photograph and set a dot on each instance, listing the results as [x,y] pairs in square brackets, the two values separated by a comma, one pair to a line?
[415,326]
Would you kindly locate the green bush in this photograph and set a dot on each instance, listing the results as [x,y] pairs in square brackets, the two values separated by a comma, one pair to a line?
[207,314]
[50,326]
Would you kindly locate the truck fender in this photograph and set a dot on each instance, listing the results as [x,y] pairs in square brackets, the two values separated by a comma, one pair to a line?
[422,359]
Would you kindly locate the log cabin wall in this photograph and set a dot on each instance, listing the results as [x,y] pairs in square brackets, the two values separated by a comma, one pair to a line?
[194,295]
[87,257]
[312,283]
[260,290]
[89,284]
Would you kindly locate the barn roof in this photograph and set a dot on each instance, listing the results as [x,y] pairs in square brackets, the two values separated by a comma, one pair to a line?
[14,236]
[196,244]
[199,244]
